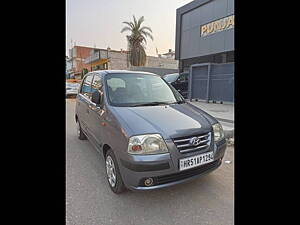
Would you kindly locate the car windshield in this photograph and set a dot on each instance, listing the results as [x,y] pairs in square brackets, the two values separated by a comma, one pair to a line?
[139,90]
[171,77]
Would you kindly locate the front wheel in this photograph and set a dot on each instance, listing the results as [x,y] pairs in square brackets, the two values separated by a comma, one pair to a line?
[113,173]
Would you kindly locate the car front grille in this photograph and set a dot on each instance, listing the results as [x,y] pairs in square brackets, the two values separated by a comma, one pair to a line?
[184,145]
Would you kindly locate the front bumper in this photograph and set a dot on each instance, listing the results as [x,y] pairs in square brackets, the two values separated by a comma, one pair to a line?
[164,168]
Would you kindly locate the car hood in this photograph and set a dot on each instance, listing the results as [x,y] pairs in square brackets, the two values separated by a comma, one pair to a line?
[171,121]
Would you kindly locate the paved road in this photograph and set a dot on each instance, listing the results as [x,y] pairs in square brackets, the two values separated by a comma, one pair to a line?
[89,200]
[224,113]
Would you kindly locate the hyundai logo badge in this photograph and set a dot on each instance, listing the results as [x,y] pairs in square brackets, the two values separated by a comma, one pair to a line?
[195,141]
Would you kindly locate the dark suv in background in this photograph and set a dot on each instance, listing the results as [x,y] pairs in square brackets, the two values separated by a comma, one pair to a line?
[179,81]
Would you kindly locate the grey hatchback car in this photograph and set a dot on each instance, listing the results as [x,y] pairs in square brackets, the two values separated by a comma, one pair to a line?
[149,136]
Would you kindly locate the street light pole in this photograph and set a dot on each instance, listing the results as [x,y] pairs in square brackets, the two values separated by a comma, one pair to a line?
[91,60]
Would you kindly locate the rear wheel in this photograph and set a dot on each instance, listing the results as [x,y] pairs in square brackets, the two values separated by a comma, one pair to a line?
[113,173]
[80,134]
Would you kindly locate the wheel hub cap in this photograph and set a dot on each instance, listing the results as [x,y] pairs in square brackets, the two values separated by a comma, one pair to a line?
[111,172]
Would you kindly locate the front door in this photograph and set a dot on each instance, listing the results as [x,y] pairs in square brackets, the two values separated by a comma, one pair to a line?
[96,113]
[83,101]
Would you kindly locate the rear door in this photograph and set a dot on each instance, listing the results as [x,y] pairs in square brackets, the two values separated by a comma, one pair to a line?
[83,101]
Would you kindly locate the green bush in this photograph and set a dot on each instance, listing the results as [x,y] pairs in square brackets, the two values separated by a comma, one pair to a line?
[83,72]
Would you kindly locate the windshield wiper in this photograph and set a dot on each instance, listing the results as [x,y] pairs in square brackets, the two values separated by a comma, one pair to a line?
[178,102]
[151,104]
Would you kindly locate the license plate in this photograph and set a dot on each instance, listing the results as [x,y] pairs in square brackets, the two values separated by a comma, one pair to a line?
[195,161]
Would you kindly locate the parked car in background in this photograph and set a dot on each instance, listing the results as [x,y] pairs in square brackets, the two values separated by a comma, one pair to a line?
[72,89]
[148,135]
[179,81]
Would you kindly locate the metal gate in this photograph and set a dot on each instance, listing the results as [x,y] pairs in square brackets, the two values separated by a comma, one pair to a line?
[212,81]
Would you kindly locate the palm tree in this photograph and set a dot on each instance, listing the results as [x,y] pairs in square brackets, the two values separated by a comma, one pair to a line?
[137,40]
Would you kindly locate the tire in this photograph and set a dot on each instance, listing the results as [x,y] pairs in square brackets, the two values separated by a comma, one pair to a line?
[80,134]
[117,186]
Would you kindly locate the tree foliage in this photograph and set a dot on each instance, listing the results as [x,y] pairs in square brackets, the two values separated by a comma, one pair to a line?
[137,40]
[83,72]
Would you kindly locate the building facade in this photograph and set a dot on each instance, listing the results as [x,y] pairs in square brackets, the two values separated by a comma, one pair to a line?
[204,33]
[68,66]
[91,59]
[119,60]
[107,59]
[75,62]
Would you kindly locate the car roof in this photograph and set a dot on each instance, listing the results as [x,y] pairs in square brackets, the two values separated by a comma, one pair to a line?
[176,73]
[105,72]
[171,74]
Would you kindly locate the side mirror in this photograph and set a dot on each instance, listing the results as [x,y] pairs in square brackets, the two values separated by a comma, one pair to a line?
[96,97]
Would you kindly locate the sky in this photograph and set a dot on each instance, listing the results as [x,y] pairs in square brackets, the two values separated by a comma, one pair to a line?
[98,23]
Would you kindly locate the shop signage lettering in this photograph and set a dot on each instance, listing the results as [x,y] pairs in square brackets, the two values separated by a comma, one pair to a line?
[217,26]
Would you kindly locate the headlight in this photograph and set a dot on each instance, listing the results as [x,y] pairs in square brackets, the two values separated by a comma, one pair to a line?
[147,144]
[218,132]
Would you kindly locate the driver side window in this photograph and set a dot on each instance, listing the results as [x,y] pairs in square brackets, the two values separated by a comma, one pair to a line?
[86,86]
[97,86]
[97,83]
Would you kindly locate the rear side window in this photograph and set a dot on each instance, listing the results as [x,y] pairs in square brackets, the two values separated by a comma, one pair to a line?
[86,86]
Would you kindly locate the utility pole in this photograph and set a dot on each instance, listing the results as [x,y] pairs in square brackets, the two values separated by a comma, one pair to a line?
[91,53]
[72,55]
[73,49]
[94,51]
[107,56]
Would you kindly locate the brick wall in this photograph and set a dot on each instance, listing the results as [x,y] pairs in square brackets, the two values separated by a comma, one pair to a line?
[118,61]
[80,54]
[161,62]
